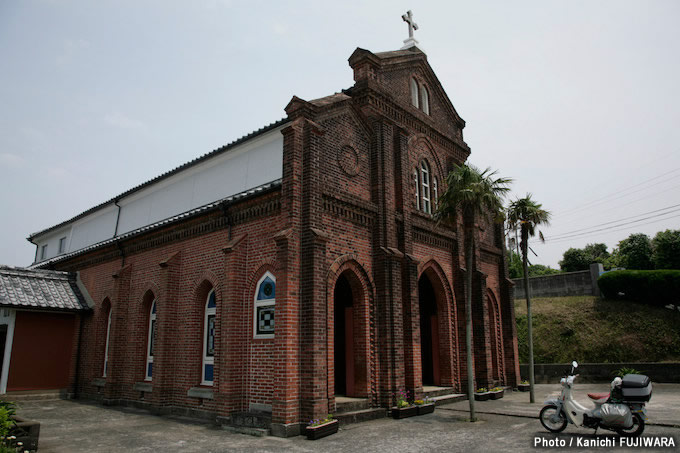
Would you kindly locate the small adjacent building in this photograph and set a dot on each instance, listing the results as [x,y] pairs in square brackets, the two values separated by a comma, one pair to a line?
[40,315]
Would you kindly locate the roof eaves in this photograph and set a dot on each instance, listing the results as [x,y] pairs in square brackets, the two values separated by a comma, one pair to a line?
[259,190]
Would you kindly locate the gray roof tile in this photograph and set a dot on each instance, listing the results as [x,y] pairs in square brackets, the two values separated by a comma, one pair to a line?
[40,289]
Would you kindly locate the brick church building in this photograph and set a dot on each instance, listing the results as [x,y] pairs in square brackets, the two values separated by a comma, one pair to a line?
[294,265]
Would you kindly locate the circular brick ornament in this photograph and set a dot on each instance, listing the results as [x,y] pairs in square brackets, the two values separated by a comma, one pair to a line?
[348,159]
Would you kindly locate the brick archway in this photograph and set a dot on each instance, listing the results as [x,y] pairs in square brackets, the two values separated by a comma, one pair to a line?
[496,338]
[349,293]
[443,332]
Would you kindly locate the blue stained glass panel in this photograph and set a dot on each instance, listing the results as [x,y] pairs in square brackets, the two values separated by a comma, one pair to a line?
[208,373]
[267,289]
[149,372]
[211,301]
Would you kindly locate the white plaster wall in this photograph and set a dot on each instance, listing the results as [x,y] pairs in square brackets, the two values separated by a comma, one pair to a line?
[253,163]
[93,228]
[52,241]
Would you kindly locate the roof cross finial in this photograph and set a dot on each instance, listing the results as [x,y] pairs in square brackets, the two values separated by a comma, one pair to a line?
[408,18]
[411,41]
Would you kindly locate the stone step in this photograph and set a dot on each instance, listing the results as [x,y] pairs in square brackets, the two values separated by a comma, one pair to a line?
[439,391]
[345,405]
[448,399]
[361,415]
[42,395]
[251,419]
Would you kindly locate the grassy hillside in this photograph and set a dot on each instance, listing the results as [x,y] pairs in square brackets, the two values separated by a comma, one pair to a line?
[590,330]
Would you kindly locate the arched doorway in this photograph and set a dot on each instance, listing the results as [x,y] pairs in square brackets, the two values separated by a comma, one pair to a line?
[495,339]
[344,337]
[429,332]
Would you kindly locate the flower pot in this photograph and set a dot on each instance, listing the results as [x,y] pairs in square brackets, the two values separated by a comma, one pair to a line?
[482,396]
[497,395]
[523,387]
[425,409]
[317,432]
[404,412]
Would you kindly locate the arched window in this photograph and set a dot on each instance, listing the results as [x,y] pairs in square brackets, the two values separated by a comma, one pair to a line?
[106,345]
[415,184]
[424,100]
[265,301]
[209,339]
[150,341]
[435,189]
[425,187]
[415,97]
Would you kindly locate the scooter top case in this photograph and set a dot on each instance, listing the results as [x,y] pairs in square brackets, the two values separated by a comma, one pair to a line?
[636,388]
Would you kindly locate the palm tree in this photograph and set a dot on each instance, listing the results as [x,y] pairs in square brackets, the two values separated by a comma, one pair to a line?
[526,214]
[474,192]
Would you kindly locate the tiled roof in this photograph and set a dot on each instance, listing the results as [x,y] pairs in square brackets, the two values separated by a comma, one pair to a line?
[167,174]
[327,100]
[259,190]
[40,289]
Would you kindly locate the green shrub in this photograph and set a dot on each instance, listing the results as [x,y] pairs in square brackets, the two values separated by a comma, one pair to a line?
[625,370]
[659,287]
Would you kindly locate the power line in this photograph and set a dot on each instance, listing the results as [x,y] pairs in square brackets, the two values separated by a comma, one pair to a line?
[628,202]
[610,231]
[620,193]
[558,235]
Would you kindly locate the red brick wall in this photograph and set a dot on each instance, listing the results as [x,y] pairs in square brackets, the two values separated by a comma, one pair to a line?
[346,206]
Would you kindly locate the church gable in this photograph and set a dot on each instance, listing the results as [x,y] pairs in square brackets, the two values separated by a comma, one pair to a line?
[407,78]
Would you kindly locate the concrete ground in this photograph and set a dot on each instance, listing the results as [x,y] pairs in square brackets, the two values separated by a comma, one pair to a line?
[73,426]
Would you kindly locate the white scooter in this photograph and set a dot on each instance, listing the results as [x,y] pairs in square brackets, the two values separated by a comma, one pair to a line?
[626,418]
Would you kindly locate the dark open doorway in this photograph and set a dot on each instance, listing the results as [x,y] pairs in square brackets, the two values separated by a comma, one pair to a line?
[344,338]
[429,332]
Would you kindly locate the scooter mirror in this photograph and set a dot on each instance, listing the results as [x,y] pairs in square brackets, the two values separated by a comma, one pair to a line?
[574,364]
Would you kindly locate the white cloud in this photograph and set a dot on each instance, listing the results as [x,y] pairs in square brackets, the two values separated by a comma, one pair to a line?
[11,160]
[117,119]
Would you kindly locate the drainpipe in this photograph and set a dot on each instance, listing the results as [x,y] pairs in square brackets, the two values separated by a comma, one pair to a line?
[223,208]
[115,231]
[76,393]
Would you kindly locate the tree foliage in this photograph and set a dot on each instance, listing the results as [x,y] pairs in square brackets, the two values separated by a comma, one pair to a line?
[574,260]
[666,246]
[636,252]
[580,259]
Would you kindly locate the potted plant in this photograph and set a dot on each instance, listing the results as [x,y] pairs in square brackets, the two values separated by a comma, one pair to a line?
[523,386]
[424,406]
[403,408]
[482,394]
[316,429]
[497,393]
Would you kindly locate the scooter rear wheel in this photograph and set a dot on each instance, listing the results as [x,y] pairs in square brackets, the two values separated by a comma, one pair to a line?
[636,429]
[552,420]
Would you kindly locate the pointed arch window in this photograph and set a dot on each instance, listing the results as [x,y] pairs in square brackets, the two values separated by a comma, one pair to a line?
[209,339]
[424,99]
[265,302]
[425,187]
[435,190]
[150,342]
[106,345]
[415,96]
[415,185]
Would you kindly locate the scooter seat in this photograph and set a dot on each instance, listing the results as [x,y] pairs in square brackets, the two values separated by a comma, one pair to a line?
[598,396]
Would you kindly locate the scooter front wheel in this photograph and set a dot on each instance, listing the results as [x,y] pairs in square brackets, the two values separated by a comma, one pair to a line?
[553,419]
[636,429]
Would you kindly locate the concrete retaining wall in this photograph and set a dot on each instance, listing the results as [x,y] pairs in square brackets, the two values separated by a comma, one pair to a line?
[579,283]
[550,373]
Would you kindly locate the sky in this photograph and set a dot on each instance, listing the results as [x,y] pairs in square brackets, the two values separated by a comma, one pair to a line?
[578,102]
